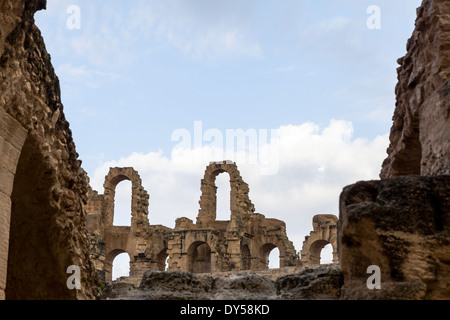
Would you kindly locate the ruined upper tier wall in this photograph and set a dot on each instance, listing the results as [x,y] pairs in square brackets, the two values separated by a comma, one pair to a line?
[419,138]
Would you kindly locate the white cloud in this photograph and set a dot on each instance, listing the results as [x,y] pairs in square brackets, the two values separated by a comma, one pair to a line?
[314,165]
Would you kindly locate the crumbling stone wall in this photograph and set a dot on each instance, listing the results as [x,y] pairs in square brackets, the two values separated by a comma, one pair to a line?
[145,244]
[43,187]
[241,243]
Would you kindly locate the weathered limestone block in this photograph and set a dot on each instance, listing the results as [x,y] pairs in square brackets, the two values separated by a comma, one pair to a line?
[401,225]
[310,284]
[419,139]
[320,283]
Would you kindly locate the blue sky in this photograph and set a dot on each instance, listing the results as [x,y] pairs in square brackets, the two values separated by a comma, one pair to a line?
[136,71]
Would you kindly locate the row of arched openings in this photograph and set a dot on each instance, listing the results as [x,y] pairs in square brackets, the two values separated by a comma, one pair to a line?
[201,260]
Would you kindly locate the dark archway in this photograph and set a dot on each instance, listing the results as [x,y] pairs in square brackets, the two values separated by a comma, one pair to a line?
[199,257]
[37,258]
[246,258]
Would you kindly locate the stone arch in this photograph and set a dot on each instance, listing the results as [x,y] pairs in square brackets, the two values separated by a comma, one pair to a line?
[315,249]
[161,259]
[240,204]
[264,253]
[109,262]
[199,257]
[38,256]
[139,197]
[324,232]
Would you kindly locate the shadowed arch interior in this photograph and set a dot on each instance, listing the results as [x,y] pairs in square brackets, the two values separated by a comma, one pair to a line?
[199,257]
[37,261]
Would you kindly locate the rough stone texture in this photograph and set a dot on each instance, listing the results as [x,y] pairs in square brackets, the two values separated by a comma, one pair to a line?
[247,286]
[310,284]
[401,225]
[321,283]
[241,243]
[145,244]
[43,188]
[419,139]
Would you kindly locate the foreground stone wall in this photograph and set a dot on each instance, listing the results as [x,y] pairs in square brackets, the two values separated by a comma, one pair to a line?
[401,224]
[309,284]
[43,187]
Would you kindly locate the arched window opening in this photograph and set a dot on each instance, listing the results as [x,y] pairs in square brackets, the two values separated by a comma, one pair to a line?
[122,204]
[121,266]
[274,258]
[326,255]
[199,258]
[162,260]
[223,203]
[315,251]
[267,261]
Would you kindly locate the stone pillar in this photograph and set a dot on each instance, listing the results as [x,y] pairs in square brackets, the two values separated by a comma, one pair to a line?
[234,250]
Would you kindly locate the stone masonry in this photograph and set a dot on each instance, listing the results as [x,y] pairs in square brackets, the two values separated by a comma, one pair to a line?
[242,243]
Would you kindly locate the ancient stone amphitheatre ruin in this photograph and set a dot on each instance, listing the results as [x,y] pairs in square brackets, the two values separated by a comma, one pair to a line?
[51,219]
[242,243]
